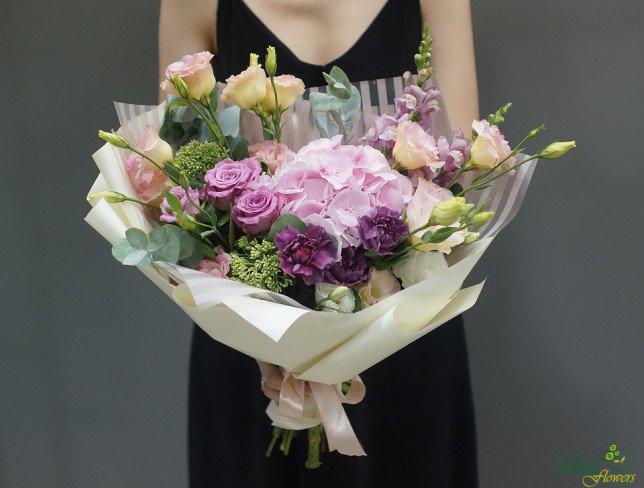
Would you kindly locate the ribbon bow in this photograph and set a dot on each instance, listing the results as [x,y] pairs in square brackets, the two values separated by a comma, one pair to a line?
[328,401]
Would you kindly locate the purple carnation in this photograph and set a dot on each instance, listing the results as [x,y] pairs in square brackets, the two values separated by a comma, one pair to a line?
[166,213]
[306,254]
[350,270]
[228,179]
[383,231]
[255,211]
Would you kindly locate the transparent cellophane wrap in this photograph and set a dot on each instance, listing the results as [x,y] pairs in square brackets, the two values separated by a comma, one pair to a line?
[322,347]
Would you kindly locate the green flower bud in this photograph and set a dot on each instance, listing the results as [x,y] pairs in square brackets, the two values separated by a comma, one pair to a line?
[114,139]
[109,196]
[271,61]
[533,133]
[339,293]
[180,86]
[184,181]
[557,149]
[185,221]
[471,237]
[448,211]
[254,60]
[482,218]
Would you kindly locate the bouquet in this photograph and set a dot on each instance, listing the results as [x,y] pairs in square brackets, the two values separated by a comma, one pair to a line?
[318,229]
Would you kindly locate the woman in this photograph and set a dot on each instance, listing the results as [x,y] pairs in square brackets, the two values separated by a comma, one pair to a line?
[416,422]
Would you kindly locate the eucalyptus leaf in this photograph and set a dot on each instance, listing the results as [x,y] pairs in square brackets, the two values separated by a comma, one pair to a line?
[323,102]
[228,120]
[326,125]
[283,222]
[137,258]
[169,245]
[351,107]
[137,238]
[186,241]
[340,76]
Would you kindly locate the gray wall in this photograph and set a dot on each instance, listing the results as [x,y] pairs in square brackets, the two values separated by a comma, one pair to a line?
[93,384]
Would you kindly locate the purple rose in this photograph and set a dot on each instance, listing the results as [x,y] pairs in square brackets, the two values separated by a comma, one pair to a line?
[306,254]
[166,213]
[254,211]
[228,179]
[350,270]
[383,231]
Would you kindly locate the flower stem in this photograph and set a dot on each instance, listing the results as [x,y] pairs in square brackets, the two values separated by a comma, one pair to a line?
[212,125]
[313,454]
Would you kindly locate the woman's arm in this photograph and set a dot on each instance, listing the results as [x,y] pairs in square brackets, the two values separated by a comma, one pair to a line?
[185,27]
[450,25]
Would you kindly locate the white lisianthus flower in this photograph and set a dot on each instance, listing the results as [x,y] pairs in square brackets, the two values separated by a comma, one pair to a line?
[419,266]
[334,298]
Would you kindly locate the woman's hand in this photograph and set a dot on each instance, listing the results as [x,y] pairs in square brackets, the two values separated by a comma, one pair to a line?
[271,381]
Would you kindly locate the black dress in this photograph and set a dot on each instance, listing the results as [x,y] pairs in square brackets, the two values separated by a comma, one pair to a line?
[416,422]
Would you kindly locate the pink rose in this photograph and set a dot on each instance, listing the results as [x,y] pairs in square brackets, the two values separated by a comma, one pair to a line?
[246,89]
[288,88]
[219,267]
[196,71]
[153,146]
[381,284]
[272,153]
[415,148]
[490,147]
[148,181]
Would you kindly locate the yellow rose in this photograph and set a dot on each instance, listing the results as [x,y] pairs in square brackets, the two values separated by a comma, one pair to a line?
[246,89]
[288,88]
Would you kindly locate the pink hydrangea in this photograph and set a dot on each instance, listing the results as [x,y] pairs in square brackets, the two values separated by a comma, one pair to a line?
[339,184]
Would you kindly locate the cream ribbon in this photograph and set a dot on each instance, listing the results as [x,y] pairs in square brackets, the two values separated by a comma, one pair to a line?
[328,401]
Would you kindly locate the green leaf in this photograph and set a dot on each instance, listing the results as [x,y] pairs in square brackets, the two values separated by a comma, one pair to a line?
[173,171]
[137,238]
[388,263]
[224,220]
[371,254]
[175,103]
[173,202]
[168,242]
[441,234]
[427,237]
[214,99]
[284,221]
[456,189]
[359,305]
[238,147]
